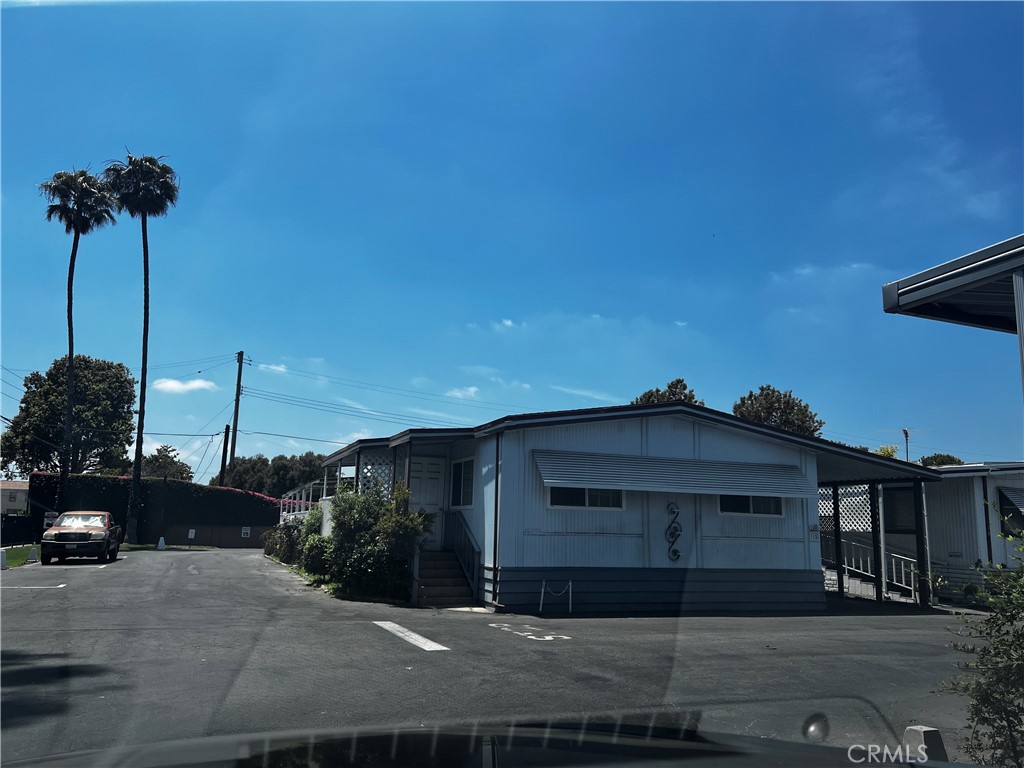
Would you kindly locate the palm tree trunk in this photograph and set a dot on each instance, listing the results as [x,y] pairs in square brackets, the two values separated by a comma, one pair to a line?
[65,460]
[135,499]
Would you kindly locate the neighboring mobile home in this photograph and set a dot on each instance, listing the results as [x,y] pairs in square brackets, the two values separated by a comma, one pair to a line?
[967,512]
[662,508]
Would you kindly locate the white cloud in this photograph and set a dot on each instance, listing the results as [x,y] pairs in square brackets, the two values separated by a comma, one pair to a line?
[506,325]
[681,323]
[591,394]
[351,437]
[463,393]
[176,387]
[935,174]
[352,403]
[492,374]
[438,415]
[275,368]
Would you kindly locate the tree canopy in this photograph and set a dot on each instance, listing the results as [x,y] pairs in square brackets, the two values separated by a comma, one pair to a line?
[102,420]
[675,391]
[274,477]
[941,460]
[165,463]
[79,201]
[779,409]
[889,451]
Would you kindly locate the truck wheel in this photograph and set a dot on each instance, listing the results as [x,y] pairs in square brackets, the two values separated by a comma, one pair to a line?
[112,557]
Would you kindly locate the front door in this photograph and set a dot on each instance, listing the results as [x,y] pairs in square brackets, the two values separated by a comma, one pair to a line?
[426,491]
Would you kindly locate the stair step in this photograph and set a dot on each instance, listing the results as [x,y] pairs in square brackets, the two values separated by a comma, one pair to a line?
[445,602]
[462,591]
[445,572]
[443,582]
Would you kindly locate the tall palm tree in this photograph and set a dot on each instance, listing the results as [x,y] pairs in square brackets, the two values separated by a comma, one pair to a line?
[82,203]
[143,186]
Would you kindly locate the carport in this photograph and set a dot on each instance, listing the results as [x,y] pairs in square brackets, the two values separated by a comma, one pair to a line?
[984,289]
[866,480]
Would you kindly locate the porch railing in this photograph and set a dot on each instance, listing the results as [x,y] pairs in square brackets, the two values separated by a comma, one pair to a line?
[900,571]
[458,538]
[858,558]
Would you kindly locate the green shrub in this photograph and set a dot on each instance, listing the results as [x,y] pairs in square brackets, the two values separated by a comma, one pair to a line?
[993,675]
[372,541]
[283,542]
[310,526]
[316,555]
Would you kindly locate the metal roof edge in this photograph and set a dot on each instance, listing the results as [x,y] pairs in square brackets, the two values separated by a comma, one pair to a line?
[974,259]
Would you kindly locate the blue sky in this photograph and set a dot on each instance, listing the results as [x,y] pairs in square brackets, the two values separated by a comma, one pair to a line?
[447,212]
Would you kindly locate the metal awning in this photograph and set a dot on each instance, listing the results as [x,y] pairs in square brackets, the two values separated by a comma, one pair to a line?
[1013,497]
[976,289]
[652,473]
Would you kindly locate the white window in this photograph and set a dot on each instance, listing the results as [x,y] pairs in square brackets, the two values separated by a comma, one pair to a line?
[750,505]
[599,498]
[462,483]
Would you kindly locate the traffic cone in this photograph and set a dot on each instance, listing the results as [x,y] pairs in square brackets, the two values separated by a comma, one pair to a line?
[161,545]
[33,556]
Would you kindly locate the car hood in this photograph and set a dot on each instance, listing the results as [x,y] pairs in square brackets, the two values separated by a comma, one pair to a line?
[660,738]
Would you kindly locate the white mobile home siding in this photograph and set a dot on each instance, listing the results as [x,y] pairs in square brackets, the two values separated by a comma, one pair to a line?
[535,536]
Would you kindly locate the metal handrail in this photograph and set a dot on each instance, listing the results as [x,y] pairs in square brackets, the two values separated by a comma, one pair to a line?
[858,558]
[900,571]
[459,539]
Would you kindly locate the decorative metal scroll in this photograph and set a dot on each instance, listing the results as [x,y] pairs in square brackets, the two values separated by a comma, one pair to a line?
[674,530]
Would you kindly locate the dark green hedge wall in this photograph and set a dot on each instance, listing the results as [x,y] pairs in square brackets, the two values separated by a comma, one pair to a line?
[164,502]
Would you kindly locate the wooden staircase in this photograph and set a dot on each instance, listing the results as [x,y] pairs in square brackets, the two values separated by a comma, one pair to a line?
[442,583]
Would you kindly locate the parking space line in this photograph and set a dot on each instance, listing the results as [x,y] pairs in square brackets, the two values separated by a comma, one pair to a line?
[411,637]
[59,586]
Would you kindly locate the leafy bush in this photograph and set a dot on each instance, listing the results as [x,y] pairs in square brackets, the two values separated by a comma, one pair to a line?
[372,541]
[283,542]
[312,523]
[970,591]
[993,677]
[316,555]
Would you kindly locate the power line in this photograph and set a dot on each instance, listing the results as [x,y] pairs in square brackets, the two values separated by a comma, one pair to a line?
[293,437]
[190,373]
[200,471]
[218,413]
[329,407]
[389,390]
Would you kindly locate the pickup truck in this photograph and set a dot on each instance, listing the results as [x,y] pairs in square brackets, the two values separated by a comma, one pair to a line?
[82,534]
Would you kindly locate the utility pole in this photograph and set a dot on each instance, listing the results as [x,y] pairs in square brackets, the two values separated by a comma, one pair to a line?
[234,421]
[224,455]
[906,442]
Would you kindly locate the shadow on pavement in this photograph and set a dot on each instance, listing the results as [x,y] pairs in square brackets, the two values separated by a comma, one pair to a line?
[32,684]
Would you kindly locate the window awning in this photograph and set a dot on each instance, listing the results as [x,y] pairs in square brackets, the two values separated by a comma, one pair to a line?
[1013,497]
[651,473]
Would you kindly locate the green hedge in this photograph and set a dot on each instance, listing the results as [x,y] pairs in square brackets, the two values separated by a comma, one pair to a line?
[164,502]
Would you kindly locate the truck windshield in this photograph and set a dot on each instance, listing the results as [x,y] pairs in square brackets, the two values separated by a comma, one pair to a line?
[72,520]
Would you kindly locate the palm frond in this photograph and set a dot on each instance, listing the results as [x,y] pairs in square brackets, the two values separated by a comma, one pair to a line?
[78,200]
[142,185]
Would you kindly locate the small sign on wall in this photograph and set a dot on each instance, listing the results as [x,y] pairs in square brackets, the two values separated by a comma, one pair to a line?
[191,533]
[245,532]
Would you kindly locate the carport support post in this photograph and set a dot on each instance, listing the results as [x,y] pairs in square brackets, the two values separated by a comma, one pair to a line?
[1018,306]
[838,534]
[924,570]
[876,541]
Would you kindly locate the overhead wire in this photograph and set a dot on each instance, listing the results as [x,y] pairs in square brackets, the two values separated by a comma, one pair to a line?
[186,375]
[330,407]
[387,389]
[200,470]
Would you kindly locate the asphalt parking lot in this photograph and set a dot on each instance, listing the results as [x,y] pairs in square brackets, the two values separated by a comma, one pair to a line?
[178,645]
